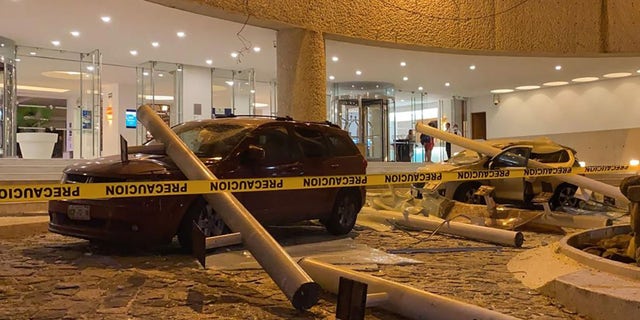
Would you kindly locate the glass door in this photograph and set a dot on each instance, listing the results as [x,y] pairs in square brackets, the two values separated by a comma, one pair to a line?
[88,119]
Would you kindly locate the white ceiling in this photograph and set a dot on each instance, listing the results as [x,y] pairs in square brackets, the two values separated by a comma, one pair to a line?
[136,23]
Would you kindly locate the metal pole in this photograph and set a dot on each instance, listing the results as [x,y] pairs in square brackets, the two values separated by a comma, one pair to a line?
[492,235]
[484,148]
[400,299]
[292,280]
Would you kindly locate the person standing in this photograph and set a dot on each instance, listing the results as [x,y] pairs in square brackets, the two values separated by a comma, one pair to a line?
[411,139]
[448,144]
[427,142]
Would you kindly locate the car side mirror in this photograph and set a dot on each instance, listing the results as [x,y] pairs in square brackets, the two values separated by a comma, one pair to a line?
[252,154]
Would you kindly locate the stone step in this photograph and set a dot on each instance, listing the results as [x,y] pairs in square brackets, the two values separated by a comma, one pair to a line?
[23,209]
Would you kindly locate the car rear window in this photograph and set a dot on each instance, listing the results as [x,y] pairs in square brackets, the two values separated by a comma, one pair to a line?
[311,142]
[211,139]
[341,146]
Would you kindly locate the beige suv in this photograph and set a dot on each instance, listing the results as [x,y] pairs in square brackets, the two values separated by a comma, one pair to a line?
[515,154]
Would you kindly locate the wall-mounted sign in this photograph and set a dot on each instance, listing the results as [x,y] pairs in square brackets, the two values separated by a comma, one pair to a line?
[130,118]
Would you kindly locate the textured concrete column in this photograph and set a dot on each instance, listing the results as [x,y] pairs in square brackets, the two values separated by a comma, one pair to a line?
[301,74]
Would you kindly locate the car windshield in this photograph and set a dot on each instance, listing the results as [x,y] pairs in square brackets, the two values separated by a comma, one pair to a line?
[214,140]
[464,157]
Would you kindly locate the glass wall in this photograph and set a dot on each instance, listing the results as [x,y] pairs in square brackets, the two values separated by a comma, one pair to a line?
[159,85]
[7,97]
[60,91]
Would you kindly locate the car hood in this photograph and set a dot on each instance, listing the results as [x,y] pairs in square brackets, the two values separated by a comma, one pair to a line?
[439,167]
[144,166]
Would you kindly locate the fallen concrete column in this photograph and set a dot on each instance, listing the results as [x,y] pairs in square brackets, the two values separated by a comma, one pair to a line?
[492,235]
[398,298]
[572,221]
[292,280]
[483,148]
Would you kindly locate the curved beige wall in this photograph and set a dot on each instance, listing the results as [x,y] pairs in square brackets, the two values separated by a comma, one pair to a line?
[514,27]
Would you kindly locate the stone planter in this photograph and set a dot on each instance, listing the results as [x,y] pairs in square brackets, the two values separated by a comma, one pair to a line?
[37,145]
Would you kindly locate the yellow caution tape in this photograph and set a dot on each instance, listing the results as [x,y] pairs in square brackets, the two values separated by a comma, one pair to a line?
[42,192]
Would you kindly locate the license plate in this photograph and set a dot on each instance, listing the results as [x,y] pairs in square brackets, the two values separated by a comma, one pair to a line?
[78,212]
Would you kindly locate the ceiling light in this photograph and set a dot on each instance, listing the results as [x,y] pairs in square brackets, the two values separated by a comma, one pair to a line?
[558,67]
[75,33]
[17,59]
[155,44]
[446,84]
[229,82]
[420,88]
[145,73]
[634,162]
[160,75]
[158,98]
[34,88]
[133,52]
[234,54]
[501,90]
[617,75]
[638,71]
[403,64]
[33,53]
[2,44]
[472,67]
[252,91]
[334,59]
[55,43]
[180,34]
[527,87]
[105,19]
[209,62]
[332,78]
[405,78]
[257,49]
[358,72]
[585,79]
[260,105]
[555,83]
[90,68]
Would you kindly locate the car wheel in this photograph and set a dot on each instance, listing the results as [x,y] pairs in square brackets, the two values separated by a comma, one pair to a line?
[564,196]
[465,193]
[344,214]
[208,220]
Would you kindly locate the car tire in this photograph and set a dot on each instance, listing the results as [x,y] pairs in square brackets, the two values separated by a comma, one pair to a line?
[208,220]
[563,196]
[344,213]
[464,193]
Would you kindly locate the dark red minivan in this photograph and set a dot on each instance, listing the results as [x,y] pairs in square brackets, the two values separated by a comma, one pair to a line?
[232,148]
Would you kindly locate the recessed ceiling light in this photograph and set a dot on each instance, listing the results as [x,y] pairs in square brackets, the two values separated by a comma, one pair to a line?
[252,91]
[527,87]
[334,59]
[332,78]
[585,79]
[229,82]
[180,34]
[555,83]
[160,75]
[405,78]
[17,59]
[43,89]
[155,44]
[91,68]
[446,84]
[358,72]
[420,88]
[33,53]
[234,54]
[55,43]
[257,49]
[2,44]
[75,33]
[501,90]
[133,52]
[353,86]
[209,61]
[403,64]
[377,86]
[472,67]
[638,71]
[558,67]
[617,75]
[145,73]
[105,19]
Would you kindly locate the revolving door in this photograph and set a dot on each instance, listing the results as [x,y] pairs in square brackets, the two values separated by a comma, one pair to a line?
[362,109]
